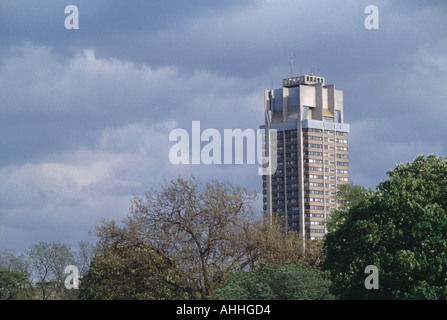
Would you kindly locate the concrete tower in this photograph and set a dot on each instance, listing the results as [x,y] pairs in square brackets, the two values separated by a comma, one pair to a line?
[312,153]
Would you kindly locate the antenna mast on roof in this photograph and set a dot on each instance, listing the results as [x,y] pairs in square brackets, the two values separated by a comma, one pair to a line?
[291,62]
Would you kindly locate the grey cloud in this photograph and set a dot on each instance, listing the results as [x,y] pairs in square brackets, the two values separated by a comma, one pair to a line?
[85,115]
[58,105]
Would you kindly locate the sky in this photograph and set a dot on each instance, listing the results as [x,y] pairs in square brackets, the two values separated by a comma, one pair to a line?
[85,114]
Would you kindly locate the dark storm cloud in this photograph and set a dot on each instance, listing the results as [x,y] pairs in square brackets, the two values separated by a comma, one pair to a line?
[85,114]
[115,28]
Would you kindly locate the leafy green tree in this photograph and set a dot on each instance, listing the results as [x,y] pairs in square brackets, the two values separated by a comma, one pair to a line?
[348,195]
[401,228]
[127,272]
[269,282]
[14,285]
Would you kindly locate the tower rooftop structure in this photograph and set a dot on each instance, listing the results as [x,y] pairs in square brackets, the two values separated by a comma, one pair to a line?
[304,79]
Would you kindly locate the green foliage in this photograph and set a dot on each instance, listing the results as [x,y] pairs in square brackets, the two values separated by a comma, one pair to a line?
[14,285]
[38,273]
[401,228]
[125,272]
[269,282]
[348,195]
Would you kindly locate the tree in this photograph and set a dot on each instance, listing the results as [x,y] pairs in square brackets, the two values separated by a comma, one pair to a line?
[193,234]
[182,241]
[270,282]
[14,285]
[49,261]
[128,272]
[11,261]
[84,256]
[15,273]
[401,229]
[347,196]
[272,245]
